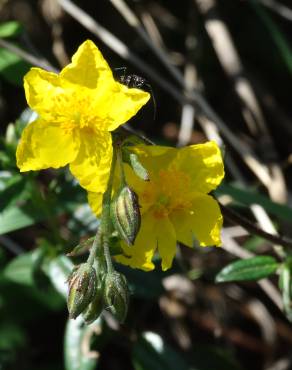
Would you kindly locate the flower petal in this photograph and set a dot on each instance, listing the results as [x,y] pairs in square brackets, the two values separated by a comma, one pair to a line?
[203,163]
[166,241]
[45,145]
[140,255]
[115,103]
[124,104]
[88,67]
[95,202]
[92,164]
[155,157]
[41,90]
[204,221]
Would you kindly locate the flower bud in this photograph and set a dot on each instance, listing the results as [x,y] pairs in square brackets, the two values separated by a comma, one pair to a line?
[116,295]
[95,308]
[125,214]
[82,288]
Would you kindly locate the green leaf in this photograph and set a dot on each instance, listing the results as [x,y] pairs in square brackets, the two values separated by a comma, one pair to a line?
[10,29]
[75,335]
[133,160]
[20,269]
[254,268]
[279,38]
[58,270]
[82,247]
[12,67]
[285,287]
[247,198]
[151,352]
[13,219]
[253,243]
[20,276]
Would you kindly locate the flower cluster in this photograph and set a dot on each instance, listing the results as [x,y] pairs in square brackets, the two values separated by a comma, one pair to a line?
[148,197]
[77,110]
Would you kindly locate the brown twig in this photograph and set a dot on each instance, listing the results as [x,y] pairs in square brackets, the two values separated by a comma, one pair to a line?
[35,61]
[236,218]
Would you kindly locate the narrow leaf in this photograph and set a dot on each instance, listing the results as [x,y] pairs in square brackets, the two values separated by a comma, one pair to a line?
[20,269]
[133,160]
[255,268]
[10,29]
[138,168]
[82,247]
[285,286]
[248,197]
[12,67]
[75,336]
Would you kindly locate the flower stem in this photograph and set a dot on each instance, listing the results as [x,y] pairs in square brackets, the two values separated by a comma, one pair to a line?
[96,244]
[120,161]
[105,217]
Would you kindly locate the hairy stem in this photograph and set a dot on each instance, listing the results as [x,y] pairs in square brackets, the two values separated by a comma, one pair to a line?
[105,218]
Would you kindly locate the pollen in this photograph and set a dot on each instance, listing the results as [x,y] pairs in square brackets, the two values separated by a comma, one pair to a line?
[168,192]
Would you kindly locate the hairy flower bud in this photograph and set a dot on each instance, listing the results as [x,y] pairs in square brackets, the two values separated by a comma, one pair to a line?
[93,311]
[116,295]
[125,214]
[82,288]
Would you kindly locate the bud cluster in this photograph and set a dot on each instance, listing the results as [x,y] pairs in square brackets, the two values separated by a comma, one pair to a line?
[90,293]
[98,287]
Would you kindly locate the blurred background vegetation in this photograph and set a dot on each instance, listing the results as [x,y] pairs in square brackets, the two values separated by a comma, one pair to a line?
[218,69]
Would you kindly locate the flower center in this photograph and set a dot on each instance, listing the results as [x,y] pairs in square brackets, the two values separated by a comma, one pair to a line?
[77,110]
[167,193]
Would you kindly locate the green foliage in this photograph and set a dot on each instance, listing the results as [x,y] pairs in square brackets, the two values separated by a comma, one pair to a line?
[249,197]
[46,214]
[20,269]
[12,67]
[276,33]
[75,334]
[10,29]
[133,160]
[254,268]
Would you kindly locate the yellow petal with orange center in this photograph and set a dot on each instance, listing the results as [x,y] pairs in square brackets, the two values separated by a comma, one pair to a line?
[84,94]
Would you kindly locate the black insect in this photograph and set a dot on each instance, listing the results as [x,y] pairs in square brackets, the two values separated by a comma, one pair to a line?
[136,82]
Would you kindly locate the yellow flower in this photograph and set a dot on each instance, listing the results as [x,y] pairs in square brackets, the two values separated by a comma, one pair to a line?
[77,109]
[174,203]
